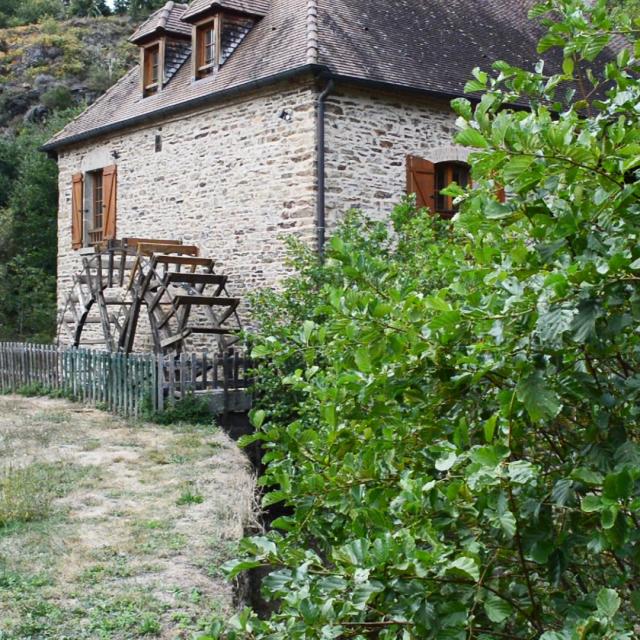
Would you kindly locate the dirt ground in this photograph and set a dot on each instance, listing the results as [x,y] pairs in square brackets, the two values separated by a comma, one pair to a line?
[114,529]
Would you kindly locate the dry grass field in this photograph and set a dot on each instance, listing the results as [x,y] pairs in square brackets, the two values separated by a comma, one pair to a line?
[111,529]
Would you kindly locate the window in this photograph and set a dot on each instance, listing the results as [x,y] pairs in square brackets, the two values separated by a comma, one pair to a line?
[205,49]
[426,179]
[93,207]
[151,70]
[447,173]
[96,208]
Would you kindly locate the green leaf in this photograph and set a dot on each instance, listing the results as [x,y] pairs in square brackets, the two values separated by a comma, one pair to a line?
[258,417]
[363,360]
[540,551]
[472,138]
[635,600]
[549,41]
[584,323]
[608,517]
[307,330]
[516,166]
[522,472]
[490,428]
[591,503]
[497,609]
[587,476]
[330,414]
[562,492]
[608,602]
[278,581]
[489,456]
[508,523]
[618,486]
[539,400]
[465,566]
[445,463]
[462,107]
[568,66]
[234,568]
[553,324]
[362,594]
[260,351]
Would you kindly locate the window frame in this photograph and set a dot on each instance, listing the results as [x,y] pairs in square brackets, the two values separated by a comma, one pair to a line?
[206,59]
[95,231]
[150,82]
[448,209]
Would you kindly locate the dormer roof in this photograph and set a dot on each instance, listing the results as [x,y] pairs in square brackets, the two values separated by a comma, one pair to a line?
[167,21]
[198,8]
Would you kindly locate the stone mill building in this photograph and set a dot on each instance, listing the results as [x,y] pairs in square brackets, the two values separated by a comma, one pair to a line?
[247,120]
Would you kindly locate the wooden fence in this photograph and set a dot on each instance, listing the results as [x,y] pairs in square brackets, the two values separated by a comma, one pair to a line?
[125,383]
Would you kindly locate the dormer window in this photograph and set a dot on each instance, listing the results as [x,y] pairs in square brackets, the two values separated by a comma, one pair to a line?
[206,50]
[218,28]
[151,69]
[165,44]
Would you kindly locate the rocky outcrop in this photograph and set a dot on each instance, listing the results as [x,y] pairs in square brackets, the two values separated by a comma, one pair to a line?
[56,65]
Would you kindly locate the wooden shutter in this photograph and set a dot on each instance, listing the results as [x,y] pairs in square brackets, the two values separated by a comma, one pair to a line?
[77,210]
[109,195]
[421,180]
[501,194]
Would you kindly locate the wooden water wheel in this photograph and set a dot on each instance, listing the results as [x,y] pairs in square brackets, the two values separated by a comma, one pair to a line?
[165,283]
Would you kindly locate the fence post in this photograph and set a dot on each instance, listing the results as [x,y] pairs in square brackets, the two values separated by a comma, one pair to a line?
[160,383]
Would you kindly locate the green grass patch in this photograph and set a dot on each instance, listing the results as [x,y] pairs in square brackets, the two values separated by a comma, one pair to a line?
[189,495]
[27,493]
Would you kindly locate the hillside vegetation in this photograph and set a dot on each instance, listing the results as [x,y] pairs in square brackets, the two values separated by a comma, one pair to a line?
[48,73]
[55,65]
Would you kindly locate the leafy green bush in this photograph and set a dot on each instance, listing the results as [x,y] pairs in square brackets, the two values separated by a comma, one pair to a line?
[191,409]
[451,412]
[58,97]
[30,11]
[33,390]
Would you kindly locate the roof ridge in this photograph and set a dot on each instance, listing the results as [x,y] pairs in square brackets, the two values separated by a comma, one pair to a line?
[164,14]
[312,32]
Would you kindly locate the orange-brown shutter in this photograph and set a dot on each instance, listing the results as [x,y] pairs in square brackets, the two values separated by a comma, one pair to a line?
[501,194]
[77,210]
[110,190]
[421,180]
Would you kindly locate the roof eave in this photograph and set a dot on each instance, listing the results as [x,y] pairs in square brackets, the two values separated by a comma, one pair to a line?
[159,32]
[187,105]
[317,70]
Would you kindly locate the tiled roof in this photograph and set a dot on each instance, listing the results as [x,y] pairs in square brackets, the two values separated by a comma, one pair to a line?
[431,45]
[168,19]
[422,45]
[252,7]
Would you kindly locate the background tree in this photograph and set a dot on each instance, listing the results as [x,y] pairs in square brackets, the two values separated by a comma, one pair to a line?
[28,223]
[452,413]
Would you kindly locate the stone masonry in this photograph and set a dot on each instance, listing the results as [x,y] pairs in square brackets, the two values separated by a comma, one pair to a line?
[236,177]
[232,179]
[369,136]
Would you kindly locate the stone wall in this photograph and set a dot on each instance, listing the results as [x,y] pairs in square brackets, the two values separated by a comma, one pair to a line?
[369,135]
[236,178]
[232,179]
